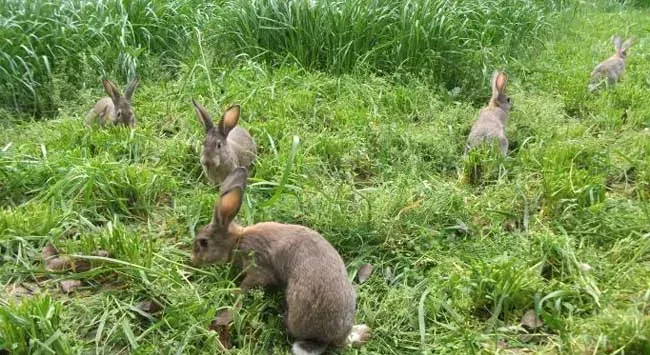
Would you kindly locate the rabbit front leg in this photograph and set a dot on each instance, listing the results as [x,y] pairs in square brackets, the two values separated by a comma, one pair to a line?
[256,277]
[503,145]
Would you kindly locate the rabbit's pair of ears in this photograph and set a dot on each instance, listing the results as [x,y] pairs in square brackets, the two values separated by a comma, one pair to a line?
[230,199]
[227,122]
[621,46]
[499,82]
[111,89]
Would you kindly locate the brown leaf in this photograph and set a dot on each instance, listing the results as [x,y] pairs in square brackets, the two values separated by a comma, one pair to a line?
[223,317]
[102,253]
[530,320]
[49,251]
[65,263]
[59,264]
[15,291]
[364,273]
[149,306]
[80,265]
[69,286]
[221,325]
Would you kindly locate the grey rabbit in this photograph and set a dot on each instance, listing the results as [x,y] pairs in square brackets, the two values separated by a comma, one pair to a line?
[611,70]
[116,108]
[226,145]
[320,300]
[491,124]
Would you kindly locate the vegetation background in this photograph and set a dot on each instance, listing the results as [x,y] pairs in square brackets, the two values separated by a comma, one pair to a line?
[361,109]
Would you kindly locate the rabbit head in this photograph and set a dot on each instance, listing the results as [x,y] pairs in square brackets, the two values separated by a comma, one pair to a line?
[215,146]
[622,47]
[499,98]
[215,242]
[124,114]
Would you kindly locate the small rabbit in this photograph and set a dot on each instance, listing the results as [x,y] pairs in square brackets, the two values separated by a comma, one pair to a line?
[491,124]
[226,146]
[612,68]
[116,108]
[320,300]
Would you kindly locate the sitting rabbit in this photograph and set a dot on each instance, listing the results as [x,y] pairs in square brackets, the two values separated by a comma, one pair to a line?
[611,70]
[226,146]
[491,124]
[320,300]
[115,109]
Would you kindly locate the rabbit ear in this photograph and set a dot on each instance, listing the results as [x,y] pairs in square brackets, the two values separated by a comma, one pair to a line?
[502,80]
[229,119]
[128,93]
[111,90]
[617,43]
[499,81]
[203,115]
[230,201]
[627,44]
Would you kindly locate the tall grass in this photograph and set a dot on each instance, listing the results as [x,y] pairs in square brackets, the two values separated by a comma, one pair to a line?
[51,48]
[453,40]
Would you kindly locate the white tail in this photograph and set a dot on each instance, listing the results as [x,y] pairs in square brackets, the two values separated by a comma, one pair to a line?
[359,335]
[308,348]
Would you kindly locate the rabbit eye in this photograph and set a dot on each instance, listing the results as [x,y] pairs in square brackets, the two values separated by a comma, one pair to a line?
[203,243]
[119,113]
[508,99]
[218,145]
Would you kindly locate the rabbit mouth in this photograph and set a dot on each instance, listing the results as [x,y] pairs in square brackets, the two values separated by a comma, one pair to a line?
[214,161]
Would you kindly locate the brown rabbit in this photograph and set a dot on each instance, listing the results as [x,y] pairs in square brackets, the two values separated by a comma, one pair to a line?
[491,124]
[115,109]
[320,300]
[226,146]
[611,69]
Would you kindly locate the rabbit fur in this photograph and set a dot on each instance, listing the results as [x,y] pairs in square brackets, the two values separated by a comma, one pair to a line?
[491,124]
[226,145]
[611,70]
[319,297]
[116,108]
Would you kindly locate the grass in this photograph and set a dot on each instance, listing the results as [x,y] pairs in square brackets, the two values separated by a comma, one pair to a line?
[52,49]
[561,226]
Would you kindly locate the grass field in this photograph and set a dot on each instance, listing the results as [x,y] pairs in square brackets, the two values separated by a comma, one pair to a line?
[360,140]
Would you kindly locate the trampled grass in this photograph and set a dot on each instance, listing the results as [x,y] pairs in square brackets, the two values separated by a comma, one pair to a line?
[561,226]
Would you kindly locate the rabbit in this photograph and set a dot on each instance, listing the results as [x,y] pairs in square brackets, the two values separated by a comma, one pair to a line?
[612,68]
[116,108]
[491,124]
[226,146]
[319,298]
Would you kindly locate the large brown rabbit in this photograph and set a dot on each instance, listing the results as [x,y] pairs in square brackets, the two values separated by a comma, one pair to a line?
[226,146]
[491,124]
[115,109]
[611,70]
[320,300]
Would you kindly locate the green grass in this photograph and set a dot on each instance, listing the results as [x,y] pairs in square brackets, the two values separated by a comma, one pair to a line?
[377,170]
[53,49]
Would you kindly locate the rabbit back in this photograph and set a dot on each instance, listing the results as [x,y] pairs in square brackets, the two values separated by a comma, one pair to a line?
[612,69]
[320,299]
[489,126]
[104,111]
[243,146]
